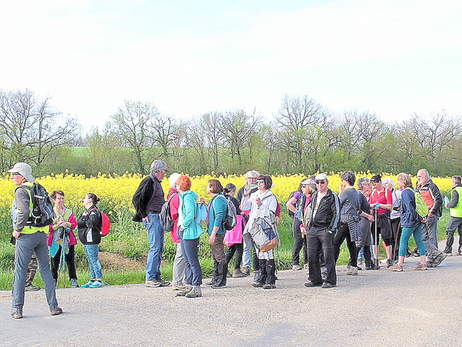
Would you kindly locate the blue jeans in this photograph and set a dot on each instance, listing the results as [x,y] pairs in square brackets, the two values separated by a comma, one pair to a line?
[406,234]
[156,247]
[93,260]
[193,268]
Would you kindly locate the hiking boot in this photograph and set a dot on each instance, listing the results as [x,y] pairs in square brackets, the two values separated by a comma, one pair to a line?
[269,286]
[246,270]
[151,284]
[327,285]
[353,271]
[56,311]
[389,263]
[430,264]
[218,286]
[211,282]
[310,284]
[420,267]
[31,288]
[296,267]
[439,259]
[459,253]
[74,283]
[184,291]
[257,284]
[178,287]
[195,292]
[237,273]
[397,268]
[16,313]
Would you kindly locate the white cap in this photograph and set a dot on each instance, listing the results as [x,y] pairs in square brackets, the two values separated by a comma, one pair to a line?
[321,176]
[24,170]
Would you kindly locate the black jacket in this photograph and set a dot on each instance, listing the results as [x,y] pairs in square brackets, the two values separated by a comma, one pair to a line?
[141,198]
[89,226]
[328,213]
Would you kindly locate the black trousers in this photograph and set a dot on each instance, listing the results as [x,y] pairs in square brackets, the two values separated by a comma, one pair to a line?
[321,239]
[70,261]
[455,224]
[299,243]
[396,229]
[341,235]
[237,248]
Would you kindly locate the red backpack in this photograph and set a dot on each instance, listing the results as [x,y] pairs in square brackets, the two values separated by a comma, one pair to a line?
[105,224]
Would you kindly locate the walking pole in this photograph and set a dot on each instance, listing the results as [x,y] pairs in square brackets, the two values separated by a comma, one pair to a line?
[376,260]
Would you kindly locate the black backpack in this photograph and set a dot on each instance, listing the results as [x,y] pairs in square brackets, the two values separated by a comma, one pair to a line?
[229,222]
[165,217]
[42,212]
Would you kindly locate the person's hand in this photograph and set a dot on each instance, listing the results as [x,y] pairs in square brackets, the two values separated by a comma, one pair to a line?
[212,239]
[258,201]
[377,206]
[146,219]
[424,220]
[303,230]
[202,200]
[277,219]
[16,234]
[370,218]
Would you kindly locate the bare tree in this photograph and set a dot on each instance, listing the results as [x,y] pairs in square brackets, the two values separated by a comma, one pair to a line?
[164,133]
[31,128]
[133,123]
[212,128]
[238,127]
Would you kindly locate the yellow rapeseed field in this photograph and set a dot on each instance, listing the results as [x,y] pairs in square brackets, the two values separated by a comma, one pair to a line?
[118,190]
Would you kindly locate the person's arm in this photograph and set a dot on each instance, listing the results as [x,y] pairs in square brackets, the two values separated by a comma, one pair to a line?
[174,205]
[454,199]
[335,207]
[219,205]
[438,200]
[72,221]
[291,204]
[94,220]
[190,210]
[406,202]
[22,201]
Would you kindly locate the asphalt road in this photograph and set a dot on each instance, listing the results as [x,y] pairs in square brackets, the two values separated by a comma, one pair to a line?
[375,308]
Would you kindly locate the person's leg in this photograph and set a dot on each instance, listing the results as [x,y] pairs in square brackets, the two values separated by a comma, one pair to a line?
[179,266]
[248,245]
[90,263]
[230,253]
[326,238]
[305,251]
[433,230]
[298,242]
[191,248]
[367,257]
[270,272]
[218,252]
[451,228]
[339,237]
[41,251]
[22,255]
[314,267]
[405,235]
[418,231]
[352,250]
[156,238]
[188,269]
[459,229]
[55,263]
[31,270]
[70,261]
[238,259]
[93,255]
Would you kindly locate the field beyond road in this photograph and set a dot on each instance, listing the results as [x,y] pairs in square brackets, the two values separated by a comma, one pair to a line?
[376,308]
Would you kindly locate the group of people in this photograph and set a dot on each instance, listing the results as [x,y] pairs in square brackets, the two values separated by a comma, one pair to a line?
[322,221]
[51,246]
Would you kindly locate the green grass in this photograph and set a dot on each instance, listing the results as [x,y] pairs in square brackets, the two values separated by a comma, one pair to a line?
[129,239]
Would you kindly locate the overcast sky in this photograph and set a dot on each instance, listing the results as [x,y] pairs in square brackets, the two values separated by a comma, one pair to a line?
[391,57]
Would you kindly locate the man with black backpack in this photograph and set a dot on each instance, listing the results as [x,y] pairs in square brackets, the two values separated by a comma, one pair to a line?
[30,231]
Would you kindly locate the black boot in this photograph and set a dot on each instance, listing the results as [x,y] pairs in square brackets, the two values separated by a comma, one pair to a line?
[270,282]
[221,277]
[260,275]
[215,274]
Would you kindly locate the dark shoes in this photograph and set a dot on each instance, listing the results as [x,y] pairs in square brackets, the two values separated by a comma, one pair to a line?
[218,286]
[237,273]
[257,284]
[31,288]
[269,286]
[16,313]
[56,311]
[310,284]
[327,285]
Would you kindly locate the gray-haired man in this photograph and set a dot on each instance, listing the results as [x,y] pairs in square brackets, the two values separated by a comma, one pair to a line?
[148,200]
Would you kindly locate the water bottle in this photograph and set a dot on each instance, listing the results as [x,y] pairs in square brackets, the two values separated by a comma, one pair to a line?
[446,200]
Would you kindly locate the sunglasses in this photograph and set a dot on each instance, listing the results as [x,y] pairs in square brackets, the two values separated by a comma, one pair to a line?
[260,181]
[320,182]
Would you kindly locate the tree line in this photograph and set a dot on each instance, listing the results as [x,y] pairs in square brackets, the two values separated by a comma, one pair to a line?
[301,137]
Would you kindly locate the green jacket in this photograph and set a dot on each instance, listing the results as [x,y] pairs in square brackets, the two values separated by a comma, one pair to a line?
[191,229]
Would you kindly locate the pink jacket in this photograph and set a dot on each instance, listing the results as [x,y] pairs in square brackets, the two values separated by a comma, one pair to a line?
[174,206]
[72,239]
